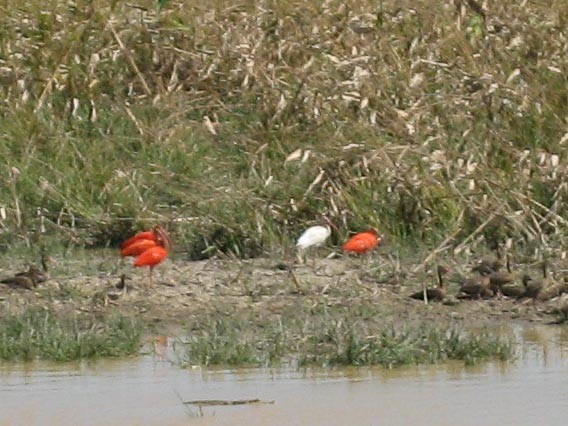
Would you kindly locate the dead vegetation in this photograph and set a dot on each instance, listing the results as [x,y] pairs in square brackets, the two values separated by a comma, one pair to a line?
[239,122]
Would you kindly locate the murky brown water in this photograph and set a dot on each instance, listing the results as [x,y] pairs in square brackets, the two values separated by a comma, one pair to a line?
[149,390]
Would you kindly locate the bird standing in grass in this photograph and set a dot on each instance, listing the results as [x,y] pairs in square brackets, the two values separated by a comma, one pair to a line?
[498,279]
[32,277]
[534,288]
[476,286]
[363,242]
[146,235]
[438,293]
[515,289]
[487,266]
[314,236]
[20,281]
[150,248]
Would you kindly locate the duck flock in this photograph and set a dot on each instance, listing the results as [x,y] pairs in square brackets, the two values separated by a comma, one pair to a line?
[490,280]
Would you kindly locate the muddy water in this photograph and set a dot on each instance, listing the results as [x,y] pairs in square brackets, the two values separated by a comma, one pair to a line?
[149,390]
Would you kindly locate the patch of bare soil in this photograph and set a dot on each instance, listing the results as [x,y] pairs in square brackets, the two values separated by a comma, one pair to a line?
[264,290]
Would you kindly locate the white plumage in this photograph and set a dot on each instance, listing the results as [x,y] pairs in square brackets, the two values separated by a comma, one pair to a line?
[313,236]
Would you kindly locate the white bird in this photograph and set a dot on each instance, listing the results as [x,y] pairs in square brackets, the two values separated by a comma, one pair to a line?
[314,236]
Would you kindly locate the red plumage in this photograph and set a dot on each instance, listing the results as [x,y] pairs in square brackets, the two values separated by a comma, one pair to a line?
[362,242]
[150,248]
[152,257]
[146,235]
[137,247]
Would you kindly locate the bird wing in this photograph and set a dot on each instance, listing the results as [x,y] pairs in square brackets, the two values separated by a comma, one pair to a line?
[152,257]
[146,235]
[137,247]
[360,243]
[313,236]
[19,281]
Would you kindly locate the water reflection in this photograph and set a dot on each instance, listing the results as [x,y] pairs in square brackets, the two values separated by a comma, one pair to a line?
[150,390]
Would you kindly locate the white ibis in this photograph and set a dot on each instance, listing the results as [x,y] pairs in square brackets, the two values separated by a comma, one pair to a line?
[314,236]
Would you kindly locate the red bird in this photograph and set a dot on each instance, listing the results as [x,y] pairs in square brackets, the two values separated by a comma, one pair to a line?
[363,242]
[146,235]
[150,248]
[137,247]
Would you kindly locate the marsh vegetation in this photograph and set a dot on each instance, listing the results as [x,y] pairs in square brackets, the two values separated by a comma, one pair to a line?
[332,341]
[238,123]
[43,334]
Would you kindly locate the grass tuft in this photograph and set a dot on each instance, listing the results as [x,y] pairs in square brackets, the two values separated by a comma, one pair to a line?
[227,342]
[43,334]
[221,344]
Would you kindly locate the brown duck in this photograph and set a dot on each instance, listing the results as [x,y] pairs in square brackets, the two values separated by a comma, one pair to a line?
[555,289]
[438,293]
[477,286]
[20,281]
[30,278]
[551,288]
[534,287]
[487,266]
[515,289]
[498,278]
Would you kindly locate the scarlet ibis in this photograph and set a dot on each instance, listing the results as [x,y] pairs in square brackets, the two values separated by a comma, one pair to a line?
[314,236]
[146,235]
[137,247]
[149,247]
[363,242]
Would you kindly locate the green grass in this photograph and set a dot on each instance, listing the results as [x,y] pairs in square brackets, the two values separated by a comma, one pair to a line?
[43,334]
[396,346]
[104,132]
[329,342]
[222,344]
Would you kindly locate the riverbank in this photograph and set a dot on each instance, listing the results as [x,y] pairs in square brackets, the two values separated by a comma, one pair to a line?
[227,302]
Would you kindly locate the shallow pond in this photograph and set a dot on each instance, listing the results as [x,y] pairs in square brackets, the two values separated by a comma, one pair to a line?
[150,390]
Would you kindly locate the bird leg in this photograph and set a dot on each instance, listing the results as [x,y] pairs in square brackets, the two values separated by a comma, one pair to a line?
[301,256]
[314,257]
[425,293]
[151,277]
[364,261]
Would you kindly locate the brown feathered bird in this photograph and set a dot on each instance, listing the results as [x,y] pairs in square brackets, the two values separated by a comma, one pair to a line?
[517,290]
[438,293]
[551,288]
[20,281]
[477,286]
[499,278]
[554,289]
[536,286]
[487,267]
[30,278]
